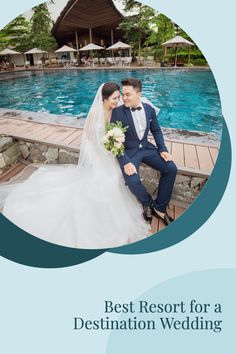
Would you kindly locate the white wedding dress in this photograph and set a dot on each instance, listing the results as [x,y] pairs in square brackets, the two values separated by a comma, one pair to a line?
[83,206]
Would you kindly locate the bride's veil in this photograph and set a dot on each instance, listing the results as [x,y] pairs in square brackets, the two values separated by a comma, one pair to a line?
[91,147]
[93,129]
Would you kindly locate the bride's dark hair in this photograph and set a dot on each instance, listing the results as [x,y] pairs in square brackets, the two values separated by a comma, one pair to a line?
[108,89]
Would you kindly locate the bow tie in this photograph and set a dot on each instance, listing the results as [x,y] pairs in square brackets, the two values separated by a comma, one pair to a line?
[136,109]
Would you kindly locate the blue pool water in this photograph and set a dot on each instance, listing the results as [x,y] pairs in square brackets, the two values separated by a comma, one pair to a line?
[187,99]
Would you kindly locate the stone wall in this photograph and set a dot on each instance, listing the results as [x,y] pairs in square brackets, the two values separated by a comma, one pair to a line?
[185,191]
[12,151]
[9,152]
[186,187]
[34,152]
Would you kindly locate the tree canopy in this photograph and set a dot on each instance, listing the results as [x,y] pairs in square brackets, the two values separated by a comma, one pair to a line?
[15,34]
[22,35]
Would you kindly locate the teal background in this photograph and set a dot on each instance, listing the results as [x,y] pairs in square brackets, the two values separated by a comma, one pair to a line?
[37,305]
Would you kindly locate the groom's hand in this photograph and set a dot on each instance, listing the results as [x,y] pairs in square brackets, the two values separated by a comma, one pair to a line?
[130,169]
[166,156]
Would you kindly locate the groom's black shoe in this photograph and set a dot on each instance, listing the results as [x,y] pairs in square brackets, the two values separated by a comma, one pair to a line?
[166,219]
[147,213]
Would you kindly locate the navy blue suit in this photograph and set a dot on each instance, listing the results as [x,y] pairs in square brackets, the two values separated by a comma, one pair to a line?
[138,151]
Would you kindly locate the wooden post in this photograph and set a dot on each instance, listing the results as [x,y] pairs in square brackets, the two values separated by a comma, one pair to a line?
[112,37]
[164,55]
[189,54]
[77,46]
[90,35]
[76,41]
[176,56]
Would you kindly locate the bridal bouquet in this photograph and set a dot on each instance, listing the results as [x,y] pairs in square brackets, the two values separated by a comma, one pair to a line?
[114,138]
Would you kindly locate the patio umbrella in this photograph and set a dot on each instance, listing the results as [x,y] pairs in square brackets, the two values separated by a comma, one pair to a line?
[36,51]
[8,51]
[65,49]
[91,47]
[119,46]
[178,42]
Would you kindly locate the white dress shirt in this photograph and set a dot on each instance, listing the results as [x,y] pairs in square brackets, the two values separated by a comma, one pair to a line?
[140,122]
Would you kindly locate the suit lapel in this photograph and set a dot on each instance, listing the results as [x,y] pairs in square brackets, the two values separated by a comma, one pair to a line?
[147,119]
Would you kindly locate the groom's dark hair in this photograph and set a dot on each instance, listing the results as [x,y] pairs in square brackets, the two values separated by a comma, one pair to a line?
[135,83]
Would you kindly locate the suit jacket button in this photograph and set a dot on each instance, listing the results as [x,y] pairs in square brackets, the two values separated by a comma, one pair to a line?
[140,145]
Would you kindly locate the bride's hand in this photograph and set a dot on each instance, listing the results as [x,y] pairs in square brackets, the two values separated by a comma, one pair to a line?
[130,169]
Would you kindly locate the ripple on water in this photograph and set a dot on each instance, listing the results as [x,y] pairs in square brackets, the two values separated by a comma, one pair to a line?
[188,99]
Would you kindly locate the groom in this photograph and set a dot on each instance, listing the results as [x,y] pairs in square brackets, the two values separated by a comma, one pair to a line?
[141,119]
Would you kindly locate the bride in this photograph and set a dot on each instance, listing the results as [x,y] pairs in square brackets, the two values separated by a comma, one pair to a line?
[83,206]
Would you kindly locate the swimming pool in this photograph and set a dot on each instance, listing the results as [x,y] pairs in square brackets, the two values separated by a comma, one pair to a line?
[188,99]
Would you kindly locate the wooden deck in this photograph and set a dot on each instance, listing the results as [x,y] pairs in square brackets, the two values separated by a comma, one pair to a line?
[158,225]
[51,134]
[191,158]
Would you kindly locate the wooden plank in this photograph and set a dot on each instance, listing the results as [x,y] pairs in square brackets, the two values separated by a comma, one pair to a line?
[45,133]
[204,158]
[194,172]
[4,121]
[36,133]
[11,128]
[178,211]
[25,131]
[169,146]
[76,143]
[154,225]
[161,225]
[178,153]
[171,210]
[40,132]
[12,171]
[192,142]
[59,135]
[72,137]
[25,173]
[190,157]
[214,154]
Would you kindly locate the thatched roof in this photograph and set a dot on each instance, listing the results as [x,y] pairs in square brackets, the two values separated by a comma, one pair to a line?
[80,15]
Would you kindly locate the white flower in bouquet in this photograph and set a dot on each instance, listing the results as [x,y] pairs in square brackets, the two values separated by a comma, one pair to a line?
[114,138]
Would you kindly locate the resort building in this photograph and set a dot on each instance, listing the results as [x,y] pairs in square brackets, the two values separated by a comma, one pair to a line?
[88,21]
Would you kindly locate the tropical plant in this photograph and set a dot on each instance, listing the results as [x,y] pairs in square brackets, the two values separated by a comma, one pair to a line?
[162,30]
[15,34]
[136,26]
[41,24]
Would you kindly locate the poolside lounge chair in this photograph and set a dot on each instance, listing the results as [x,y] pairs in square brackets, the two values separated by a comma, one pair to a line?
[111,61]
[74,61]
[27,64]
[102,61]
[180,62]
[3,66]
[127,61]
[39,64]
